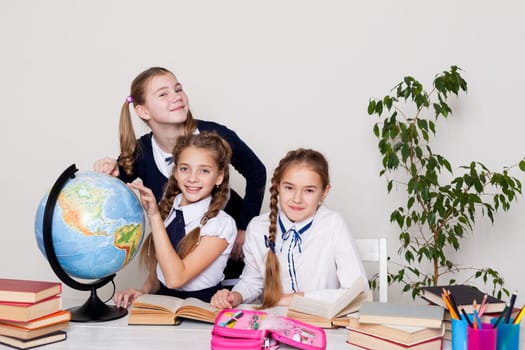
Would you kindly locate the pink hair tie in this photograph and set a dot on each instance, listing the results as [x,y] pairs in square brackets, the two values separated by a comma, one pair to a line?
[130,99]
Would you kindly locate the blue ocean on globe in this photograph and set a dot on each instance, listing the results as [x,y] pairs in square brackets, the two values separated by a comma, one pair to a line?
[97,228]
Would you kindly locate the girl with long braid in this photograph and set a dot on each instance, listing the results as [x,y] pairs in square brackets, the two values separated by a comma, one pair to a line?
[191,236]
[300,246]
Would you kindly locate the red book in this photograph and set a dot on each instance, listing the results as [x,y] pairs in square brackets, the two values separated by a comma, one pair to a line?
[56,317]
[27,291]
[29,311]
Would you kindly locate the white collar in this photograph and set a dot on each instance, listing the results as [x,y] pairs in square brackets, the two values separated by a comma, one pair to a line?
[193,211]
[160,158]
[288,224]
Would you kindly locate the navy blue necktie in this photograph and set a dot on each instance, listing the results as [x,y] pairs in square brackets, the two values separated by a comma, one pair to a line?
[176,229]
[169,160]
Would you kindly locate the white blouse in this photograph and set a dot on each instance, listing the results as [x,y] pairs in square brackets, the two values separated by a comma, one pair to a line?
[222,226]
[323,259]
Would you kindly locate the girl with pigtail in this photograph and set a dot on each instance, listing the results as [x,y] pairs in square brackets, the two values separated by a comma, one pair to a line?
[300,246]
[191,236]
[159,100]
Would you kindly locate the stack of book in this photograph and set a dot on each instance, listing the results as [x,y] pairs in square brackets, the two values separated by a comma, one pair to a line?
[390,326]
[31,313]
[465,297]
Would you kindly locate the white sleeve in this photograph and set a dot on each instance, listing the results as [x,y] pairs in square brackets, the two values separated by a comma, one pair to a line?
[222,226]
[251,282]
[347,259]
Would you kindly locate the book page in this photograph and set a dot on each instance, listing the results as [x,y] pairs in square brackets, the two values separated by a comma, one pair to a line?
[158,302]
[194,303]
[197,309]
[324,308]
[355,304]
[310,306]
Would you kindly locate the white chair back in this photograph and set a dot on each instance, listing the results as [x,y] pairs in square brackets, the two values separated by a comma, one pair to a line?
[375,250]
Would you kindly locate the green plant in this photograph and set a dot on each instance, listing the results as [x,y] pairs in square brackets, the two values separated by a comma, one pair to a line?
[437,212]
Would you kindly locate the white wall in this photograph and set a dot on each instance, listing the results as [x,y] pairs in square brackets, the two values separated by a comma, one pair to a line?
[283,74]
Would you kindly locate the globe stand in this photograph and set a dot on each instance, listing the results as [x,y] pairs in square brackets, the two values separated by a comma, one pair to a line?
[93,310]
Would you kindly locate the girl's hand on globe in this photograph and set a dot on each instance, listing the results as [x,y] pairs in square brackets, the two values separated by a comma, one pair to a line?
[106,165]
[125,298]
[147,198]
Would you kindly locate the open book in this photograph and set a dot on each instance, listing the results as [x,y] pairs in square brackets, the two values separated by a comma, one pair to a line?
[165,310]
[325,311]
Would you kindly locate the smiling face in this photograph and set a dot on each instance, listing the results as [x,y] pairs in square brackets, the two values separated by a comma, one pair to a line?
[197,174]
[165,101]
[300,192]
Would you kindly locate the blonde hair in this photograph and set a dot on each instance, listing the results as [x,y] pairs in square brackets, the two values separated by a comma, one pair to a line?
[137,96]
[314,160]
[221,152]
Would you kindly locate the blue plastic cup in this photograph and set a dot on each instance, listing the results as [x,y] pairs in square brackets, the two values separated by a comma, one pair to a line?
[508,336]
[459,334]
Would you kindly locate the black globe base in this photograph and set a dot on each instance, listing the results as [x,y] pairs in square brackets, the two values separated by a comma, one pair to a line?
[94,310]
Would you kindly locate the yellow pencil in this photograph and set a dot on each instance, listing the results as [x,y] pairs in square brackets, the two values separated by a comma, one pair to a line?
[519,316]
[450,308]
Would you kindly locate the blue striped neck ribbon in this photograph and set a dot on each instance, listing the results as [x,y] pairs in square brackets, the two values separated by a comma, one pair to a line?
[296,240]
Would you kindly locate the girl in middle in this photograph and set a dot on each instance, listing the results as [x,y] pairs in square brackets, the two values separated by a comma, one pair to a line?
[191,236]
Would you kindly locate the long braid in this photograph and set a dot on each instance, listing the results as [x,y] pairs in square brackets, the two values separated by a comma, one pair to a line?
[272,277]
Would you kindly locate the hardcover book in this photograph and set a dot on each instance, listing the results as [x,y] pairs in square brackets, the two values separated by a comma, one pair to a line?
[407,335]
[368,341]
[463,295]
[327,312]
[29,311]
[25,334]
[402,314]
[55,317]
[165,310]
[32,343]
[27,291]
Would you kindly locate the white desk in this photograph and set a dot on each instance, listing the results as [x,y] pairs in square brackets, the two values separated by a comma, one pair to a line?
[118,334]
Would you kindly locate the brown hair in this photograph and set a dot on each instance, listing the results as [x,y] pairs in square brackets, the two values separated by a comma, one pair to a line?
[137,95]
[315,161]
[221,152]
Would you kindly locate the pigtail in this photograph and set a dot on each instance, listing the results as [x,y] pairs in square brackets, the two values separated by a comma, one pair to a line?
[190,124]
[147,254]
[273,288]
[128,140]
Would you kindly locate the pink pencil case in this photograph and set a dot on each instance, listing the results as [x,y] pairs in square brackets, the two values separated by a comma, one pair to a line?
[252,329]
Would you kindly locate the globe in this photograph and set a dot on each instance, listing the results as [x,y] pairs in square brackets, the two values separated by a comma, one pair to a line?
[89,226]
[98,225]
